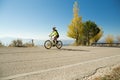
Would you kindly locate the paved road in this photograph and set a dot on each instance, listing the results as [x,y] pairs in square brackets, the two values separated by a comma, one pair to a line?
[69,63]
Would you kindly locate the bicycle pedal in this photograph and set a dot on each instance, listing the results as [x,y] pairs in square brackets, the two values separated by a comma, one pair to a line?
[53,45]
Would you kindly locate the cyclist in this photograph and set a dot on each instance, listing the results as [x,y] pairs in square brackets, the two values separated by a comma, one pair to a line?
[54,34]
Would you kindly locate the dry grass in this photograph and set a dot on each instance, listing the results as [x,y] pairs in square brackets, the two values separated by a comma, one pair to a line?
[114,75]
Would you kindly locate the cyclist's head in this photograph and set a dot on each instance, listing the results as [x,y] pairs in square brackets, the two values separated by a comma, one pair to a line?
[54,28]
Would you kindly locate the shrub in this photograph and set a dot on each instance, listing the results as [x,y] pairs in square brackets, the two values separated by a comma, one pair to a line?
[1,44]
[16,43]
[109,39]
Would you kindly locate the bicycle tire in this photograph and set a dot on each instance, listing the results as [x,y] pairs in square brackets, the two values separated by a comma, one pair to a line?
[59,44]
[47,44]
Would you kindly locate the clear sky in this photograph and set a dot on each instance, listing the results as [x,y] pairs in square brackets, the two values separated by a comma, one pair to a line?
[35,18]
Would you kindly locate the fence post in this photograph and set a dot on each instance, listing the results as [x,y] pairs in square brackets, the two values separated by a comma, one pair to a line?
[32,42]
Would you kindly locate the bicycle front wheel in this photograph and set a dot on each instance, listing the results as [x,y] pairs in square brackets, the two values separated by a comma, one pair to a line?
[48,44]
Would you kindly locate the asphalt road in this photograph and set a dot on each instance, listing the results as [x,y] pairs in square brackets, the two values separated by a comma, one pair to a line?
[68,63]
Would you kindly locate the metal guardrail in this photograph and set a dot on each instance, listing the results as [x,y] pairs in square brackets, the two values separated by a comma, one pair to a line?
[106,44]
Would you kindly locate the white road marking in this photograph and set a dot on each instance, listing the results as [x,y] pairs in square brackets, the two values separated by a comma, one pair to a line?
[57,68]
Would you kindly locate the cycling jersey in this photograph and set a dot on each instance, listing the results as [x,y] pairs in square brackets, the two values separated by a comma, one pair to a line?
[54,33]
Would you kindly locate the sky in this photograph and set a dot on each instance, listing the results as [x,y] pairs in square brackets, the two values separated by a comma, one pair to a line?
[35,18]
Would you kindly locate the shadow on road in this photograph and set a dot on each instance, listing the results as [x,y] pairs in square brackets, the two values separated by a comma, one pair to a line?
[66,49]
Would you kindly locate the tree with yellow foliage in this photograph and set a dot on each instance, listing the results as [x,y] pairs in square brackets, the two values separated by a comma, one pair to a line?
[75,29]
[83,32]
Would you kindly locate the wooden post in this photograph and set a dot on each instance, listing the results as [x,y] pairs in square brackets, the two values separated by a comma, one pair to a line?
[32,42]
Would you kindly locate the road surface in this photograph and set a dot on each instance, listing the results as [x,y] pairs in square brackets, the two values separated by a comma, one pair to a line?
[68,63]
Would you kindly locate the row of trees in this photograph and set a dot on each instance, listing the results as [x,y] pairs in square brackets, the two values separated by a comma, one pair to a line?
[84,33]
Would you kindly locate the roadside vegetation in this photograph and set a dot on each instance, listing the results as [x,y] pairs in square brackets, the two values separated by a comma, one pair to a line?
[88,33]
[84,33]
[1,44]
[114,75]
[16,43]
[19,43]
[109,39]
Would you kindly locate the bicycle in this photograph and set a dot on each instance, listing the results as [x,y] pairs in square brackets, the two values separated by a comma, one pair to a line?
[49,43]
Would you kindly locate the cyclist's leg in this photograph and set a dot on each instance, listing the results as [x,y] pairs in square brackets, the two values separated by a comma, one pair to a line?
[55,39]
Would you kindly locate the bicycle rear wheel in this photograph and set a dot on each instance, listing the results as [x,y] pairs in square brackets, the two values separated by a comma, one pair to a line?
[48,44]
[59,44]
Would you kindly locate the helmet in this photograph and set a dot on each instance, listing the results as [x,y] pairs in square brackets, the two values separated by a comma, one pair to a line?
[54,28]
